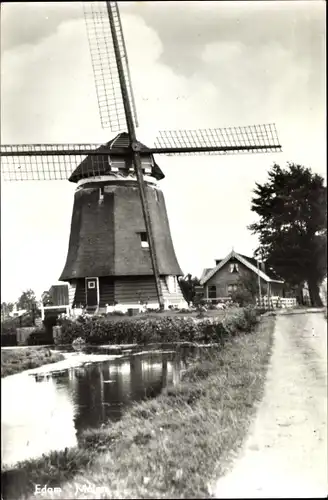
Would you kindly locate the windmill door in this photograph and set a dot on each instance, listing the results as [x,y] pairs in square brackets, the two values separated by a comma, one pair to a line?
[92,291]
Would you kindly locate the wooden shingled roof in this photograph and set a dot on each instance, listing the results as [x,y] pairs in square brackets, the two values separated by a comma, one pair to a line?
[105,237]
[100,164]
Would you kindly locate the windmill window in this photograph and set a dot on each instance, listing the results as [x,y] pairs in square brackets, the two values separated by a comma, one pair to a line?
[101,193]
[113,166]
[117,164]
[171,282]
[144,240]
[147,164]
[91,284]
[156,195]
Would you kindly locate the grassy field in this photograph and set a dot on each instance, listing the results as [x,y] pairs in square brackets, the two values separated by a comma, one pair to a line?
[173,446]
[18,360]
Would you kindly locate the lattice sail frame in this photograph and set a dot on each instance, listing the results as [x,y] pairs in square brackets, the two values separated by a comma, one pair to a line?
[232,140]
[58,161]
[106,74]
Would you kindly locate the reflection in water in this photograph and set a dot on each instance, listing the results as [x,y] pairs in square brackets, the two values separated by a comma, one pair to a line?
[40,414]
[36,418]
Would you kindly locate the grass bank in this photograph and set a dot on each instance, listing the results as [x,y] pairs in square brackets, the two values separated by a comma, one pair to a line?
[173,446]
[18,360]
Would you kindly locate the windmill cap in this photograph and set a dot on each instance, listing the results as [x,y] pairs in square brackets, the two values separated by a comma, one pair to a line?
[93,166]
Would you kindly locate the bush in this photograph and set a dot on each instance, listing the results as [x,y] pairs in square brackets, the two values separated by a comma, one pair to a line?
[9,326]
[243,297]
[159,329]
[185,311]
[8,339]
[40,336]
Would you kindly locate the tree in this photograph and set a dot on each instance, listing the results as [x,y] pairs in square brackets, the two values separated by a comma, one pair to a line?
[187,285]
[6,308]
[27,301]
[292,229]
[247,290]
[46,299]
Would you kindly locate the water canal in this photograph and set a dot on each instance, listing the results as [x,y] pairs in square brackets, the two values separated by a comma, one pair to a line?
[47,408]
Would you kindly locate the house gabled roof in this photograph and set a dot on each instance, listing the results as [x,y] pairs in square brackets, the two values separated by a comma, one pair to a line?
[204,273]
[247,261]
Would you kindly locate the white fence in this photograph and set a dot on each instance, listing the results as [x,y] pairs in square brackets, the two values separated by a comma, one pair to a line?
[47,308]
[276,302]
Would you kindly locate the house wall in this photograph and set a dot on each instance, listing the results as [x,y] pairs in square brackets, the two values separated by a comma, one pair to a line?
[277,289]
[223,278]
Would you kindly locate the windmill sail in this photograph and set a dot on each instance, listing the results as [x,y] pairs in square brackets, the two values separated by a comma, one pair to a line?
[57,161]
[233,140]
[109,94]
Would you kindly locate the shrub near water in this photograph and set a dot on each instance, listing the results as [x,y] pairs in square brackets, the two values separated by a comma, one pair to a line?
[18,360]
[143,330]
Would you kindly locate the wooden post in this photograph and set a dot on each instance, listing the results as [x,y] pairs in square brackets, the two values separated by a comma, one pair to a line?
[268,294]
[259,283]
[42,311]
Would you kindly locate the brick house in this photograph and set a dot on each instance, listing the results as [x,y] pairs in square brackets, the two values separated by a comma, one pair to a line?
[223,279]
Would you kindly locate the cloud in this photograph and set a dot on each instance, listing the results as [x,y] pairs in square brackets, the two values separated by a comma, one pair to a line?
[40,20]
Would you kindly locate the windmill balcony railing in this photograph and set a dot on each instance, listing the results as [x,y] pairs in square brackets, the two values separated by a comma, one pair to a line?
[61,308]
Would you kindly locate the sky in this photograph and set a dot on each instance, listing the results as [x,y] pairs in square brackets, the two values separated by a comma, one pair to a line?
[193,65]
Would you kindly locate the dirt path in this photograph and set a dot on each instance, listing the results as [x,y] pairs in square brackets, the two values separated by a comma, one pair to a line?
[286,452]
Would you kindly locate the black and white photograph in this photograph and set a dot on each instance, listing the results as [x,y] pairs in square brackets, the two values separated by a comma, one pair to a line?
[163,249]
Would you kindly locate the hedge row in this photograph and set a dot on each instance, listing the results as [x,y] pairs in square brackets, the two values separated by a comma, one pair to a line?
[99,330]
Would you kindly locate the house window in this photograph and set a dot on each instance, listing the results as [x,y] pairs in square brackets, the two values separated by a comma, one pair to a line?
[212,292]
[234,268]
[171,282]
[144,240]
[232,288]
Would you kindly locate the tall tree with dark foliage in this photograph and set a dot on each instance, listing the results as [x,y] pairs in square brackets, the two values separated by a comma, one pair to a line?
[292,226]
[187,285]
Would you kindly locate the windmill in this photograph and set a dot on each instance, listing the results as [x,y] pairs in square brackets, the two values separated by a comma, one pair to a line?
[120,246]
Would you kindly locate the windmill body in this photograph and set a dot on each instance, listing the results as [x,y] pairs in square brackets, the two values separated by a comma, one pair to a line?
[108,259]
